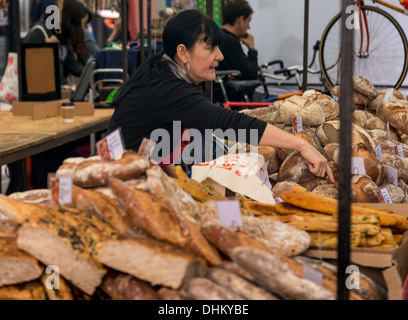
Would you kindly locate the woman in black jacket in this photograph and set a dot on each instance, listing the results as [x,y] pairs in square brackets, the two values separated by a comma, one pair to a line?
[160,100]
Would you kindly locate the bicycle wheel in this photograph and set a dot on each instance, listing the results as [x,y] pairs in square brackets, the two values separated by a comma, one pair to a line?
[385,65]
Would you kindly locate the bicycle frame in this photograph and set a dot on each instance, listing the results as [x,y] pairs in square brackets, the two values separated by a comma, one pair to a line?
[363,18]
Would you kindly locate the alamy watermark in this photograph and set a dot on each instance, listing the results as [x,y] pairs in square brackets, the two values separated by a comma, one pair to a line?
[52,281]
[53,20]
[353,20]
[353,280]
[203,146]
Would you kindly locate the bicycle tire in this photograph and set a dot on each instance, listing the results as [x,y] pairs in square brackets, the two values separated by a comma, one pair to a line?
[383,67]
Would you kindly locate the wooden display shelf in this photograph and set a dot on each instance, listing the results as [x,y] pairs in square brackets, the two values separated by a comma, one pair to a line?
[21,137]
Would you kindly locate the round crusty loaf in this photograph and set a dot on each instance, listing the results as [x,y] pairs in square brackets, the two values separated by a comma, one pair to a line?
[364,87]
[327,190]
[283,186]
[295,168]
[329,106]
[404,173]
[396,113]
[311,112]
[364,190]
[359,100]
[330,148]
[396,193]
[393,161]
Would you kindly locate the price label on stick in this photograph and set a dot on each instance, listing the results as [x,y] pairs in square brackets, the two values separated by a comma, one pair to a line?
[229,213]
[111,146]
[357,165]
[378,152]
[384,196]
[312,275]
[399,151]
[61,190]
[389,94]
[146,148]
[392,175]
[263,175]
[297,123]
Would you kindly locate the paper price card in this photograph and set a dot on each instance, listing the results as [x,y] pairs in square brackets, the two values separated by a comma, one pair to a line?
[392,175]
[61,190]
[312,275]
[357,165]
[146,148]
[399,151]
[384,196]
[378,152]
[111,146]
[389,94]
[297,123]
[263,175]
[229,213]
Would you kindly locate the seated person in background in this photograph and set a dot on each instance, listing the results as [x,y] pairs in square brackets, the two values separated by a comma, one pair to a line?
[236,17]
[91,47]
[71,37]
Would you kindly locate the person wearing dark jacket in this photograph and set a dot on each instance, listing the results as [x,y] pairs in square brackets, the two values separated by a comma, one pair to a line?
[160,98]
[236,17]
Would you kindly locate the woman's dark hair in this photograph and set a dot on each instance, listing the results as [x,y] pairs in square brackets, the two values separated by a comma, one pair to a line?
[234,9]
[186,27]
[73,11]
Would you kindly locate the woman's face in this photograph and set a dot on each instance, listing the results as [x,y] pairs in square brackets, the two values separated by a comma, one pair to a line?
[203,59]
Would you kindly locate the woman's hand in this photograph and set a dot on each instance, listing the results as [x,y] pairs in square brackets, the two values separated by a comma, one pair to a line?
[51,39]
[318,164]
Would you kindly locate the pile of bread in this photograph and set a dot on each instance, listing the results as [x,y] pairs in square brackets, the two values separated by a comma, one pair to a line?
[377,121]
[132,232]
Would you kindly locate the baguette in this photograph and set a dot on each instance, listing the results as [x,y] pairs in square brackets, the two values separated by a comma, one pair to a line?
[145,258]
[120,286]
[205,289]
[281,276]
[96,173]
[239,285]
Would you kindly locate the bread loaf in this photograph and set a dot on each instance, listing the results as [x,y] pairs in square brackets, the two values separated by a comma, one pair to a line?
[364,87]
[266,114]
[205,289]
[396,113]
[239,285]
[32,290]
[120,286]
[329,106]
[170,294]
[362,116]
[330,148]
[311,112]
[279,277]
[364,190]
[327,190]
[36,196]
[396,193]
[149,260]
[357,98]
[96,173]
[296,169]
[16,266]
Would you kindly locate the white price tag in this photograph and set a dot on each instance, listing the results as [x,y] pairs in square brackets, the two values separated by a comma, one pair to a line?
[378,152]
[229,213]
[297,123]
[392,175]
[61,190]
[277,199]
[399,151]
[384,196]
[146,148]
[357,165]
[263,175]
[312,275]
[111,146]
[389,94]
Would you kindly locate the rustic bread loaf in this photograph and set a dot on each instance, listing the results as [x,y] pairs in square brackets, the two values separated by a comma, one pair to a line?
[239,285]
[327,190]
[266,114]
[396,113]
[170,294]
[281,277]
[96,173]
[32,290]
[364,189]
[283,186]
[16,266]
[311,112]
[329,106]
[359,100]
[120,286]
[62,292]
[36,196]
[362,116]
[364,87]
[205,289]
[330,148]
[145,258]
